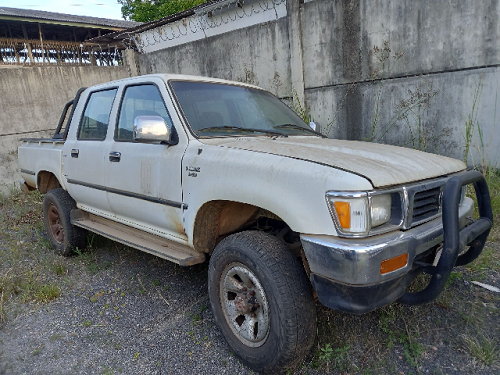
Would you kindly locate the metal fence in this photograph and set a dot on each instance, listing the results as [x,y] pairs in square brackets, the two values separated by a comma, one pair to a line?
[48,52]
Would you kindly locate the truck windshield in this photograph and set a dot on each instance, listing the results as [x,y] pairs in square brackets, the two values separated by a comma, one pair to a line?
[215,110]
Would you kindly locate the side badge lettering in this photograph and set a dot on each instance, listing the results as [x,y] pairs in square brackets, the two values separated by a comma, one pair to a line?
[192,171]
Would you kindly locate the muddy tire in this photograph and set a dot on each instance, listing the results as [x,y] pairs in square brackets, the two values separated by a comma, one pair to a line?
[262,301]
[65,238]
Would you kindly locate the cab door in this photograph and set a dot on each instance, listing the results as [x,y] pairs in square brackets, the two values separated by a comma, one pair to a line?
[84,156]
[144,179]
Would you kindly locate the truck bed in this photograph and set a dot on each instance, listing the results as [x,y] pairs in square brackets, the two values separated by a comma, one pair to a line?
[40,154]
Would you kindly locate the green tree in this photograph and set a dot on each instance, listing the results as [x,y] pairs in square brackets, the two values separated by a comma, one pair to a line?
[150,10]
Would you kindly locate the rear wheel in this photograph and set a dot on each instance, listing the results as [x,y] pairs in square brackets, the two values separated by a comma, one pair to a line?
[64,236]
[262,301]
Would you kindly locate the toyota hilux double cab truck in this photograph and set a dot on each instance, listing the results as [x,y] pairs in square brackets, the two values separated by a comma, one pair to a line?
[192,168]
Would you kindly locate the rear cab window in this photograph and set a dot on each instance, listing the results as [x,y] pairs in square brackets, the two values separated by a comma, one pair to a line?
[95,118]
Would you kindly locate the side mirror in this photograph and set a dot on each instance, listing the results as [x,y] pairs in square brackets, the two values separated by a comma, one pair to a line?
[151,129]
[315,126]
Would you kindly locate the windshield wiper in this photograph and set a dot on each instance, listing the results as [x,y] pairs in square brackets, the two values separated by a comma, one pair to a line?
[237,128]
[293,126]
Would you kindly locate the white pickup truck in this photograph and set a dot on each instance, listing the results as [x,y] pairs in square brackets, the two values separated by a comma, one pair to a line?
[188,167]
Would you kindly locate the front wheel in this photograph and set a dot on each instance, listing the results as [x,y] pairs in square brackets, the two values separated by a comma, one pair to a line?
[262,301]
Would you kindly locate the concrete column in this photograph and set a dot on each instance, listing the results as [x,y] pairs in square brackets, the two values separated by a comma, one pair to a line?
[130,61]
[93,60]
[30,53]
[41,44]
[295,38]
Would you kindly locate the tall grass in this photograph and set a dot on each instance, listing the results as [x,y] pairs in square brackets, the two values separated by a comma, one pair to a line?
[300,108]
[410,110]
[471,123]
[478,150]
[475,139]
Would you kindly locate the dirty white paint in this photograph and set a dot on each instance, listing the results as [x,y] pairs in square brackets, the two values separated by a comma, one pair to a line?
[383,165]
[281,185]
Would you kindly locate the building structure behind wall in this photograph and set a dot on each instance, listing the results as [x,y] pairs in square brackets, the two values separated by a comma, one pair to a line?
[32,37]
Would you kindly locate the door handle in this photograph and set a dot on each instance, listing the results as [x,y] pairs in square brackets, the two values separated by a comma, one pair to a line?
[115,156]
[75,152]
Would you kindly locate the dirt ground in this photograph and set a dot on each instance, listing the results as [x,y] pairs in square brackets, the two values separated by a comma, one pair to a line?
[116,310]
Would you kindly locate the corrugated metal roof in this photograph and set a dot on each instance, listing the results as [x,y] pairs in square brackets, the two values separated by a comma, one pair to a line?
[62,17]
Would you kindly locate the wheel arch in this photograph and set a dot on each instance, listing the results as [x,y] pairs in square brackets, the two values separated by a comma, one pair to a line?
[47,181]
[217,219]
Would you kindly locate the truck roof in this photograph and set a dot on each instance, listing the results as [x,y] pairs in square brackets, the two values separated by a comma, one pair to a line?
[184,77]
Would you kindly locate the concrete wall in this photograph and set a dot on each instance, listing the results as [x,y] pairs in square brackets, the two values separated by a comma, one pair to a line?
[213,20]
[430,36]
[31,101]
[423,112]
[258,54]
[404,72]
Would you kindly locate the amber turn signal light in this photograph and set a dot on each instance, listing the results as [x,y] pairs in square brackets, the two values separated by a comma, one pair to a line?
[343,213]
[394,264]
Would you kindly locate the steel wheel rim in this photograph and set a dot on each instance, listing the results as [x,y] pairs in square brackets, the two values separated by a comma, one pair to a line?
[245,305]
[55,226]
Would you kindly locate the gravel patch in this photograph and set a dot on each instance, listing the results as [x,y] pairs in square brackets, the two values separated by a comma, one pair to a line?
[151,318]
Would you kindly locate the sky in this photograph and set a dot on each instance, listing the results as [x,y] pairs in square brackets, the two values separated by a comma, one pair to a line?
[92,8]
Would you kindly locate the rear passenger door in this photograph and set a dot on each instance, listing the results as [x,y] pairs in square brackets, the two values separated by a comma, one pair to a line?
[144,179]
[84,153]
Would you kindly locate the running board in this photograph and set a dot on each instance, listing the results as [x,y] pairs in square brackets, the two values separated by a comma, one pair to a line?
[138,239]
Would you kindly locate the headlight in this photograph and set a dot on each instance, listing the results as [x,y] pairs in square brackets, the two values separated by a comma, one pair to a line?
[355,214]
[380,209]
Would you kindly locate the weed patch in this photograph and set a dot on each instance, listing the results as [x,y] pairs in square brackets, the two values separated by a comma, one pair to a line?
[46,292]
[488,261]
[300,108]
[482,348]
[59,268]
[338,357]
[27,270]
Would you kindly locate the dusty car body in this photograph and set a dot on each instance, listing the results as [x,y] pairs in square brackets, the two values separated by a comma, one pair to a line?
[188,167]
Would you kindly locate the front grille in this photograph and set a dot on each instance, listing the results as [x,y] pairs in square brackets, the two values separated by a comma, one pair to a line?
[426,204]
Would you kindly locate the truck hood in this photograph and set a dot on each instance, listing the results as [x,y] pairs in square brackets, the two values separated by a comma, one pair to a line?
[383,165]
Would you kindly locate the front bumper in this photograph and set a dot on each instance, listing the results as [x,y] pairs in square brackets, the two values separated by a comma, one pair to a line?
[357,261]
[359,299]
[345,273]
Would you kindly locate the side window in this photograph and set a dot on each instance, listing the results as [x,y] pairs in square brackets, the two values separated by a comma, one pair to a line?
[95,119]
[143,100]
